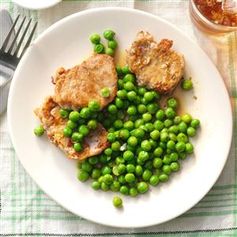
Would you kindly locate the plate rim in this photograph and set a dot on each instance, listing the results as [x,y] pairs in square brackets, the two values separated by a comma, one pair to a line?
[102,9]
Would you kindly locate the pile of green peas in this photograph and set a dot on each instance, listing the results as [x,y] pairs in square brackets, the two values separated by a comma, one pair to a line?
[99,47]
[147,142]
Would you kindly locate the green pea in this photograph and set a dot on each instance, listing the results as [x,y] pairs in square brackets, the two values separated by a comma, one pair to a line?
[132,110]
[158,152]
[171,145]
[109,51]
[168,123]
[154,180]
[95,38]
[195,123]
[126,70]
[152,108]
[138,133]
[166,169]
[64,113]
[92,124]
[129,125]
[85,113]
[146,175]
[159,125]
[131,95]
[67,132]
[170,113]
[149,127]
[105,92]
[163,178]
[112,44]
[141,109]
[77,137]
[174,156]
[180,146]
[129,78]
[155,135]
[166,159]
[119,103]
[146,145]
[191,131]
[108,151]
[130,168]
[104,187]
[108,179]
[83,129]
[133,192]
[183,127]
[177,120]
[116,146]
[132,141]
[117,202]
[164,136]
[121,168]
[143,155]
[96,173]
[175,166]
[95,185]
[122,94]
[148,96]
[86,166]
[118,124]
[94,106]
[39,131]
[174,129]
[129,86]
[147,117]
[71,124]
[74,116]
[160,114]
[112,109]
[172,103]
[189,148]
[124,134]
[115,186]
[93,160]
[142,187]
[124,190]
[139,170]
[142,90]
[157,163]
[111,137]
[106,170]
[109,34]
[187,84]
[99,48]
[83,176]
[130,177]
[128,155]
[138,123]
[181,137]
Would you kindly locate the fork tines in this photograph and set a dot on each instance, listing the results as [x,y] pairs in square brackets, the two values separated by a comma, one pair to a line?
[11,49]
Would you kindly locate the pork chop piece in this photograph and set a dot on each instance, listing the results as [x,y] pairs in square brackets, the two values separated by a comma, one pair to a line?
[49,115]
[76,87]
[156,65]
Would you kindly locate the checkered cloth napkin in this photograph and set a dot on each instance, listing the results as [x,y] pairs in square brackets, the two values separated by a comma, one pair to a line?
[25,210]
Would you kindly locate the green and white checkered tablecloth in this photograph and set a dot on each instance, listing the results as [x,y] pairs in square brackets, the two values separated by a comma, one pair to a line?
[26,211]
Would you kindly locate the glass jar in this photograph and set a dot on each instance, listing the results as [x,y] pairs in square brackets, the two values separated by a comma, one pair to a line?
[205,24]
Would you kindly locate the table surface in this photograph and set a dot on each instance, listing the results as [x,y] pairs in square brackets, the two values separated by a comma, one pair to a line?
[26,211]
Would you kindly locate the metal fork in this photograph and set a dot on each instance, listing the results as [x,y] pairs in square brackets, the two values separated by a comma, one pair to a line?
[10,55]
[10,58]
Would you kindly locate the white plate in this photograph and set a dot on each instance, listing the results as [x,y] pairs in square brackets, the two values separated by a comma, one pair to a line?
[36,4]
[66,43]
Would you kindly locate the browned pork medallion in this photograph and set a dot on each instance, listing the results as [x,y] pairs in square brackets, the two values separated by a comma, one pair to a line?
[94,143]
[76,87]
[156,65]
